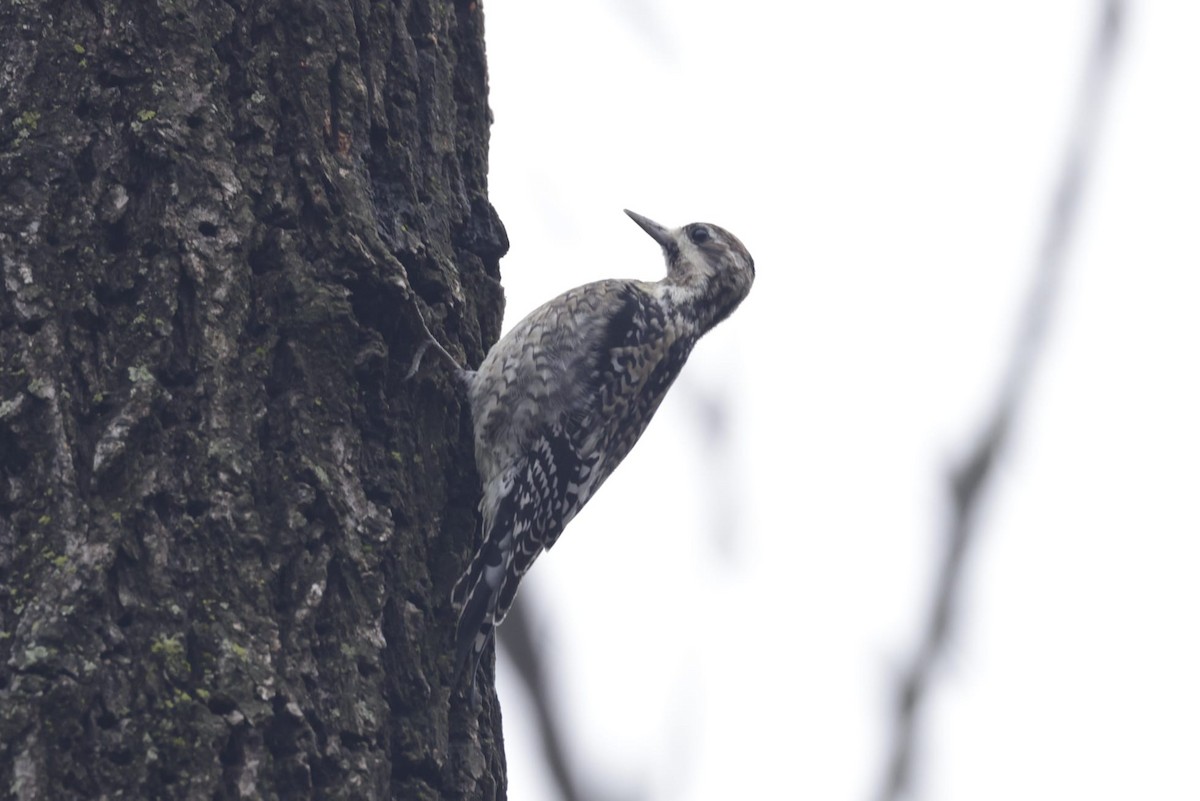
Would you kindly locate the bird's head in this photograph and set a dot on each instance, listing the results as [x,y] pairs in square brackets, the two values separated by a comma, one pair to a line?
[705,262]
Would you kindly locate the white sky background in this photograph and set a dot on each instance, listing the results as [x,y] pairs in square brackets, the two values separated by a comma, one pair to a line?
[889,165]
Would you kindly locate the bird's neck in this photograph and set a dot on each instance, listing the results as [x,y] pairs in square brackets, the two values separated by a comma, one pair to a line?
[694,299]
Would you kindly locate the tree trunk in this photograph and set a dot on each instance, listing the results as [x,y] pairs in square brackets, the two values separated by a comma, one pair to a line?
[228,526]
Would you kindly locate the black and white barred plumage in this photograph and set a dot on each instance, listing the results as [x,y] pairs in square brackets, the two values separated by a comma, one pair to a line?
[563,397]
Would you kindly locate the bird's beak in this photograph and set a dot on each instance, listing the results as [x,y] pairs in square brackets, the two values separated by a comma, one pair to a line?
[660,234]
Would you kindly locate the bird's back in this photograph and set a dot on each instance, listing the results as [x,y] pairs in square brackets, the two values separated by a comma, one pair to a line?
[541,371]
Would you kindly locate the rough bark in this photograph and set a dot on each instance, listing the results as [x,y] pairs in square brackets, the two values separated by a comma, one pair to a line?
[228,527]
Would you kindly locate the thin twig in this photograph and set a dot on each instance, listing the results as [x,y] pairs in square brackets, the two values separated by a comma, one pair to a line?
[969,481]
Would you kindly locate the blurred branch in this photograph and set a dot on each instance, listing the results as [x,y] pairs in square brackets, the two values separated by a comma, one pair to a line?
[720,491]
[969,481]
[516,635]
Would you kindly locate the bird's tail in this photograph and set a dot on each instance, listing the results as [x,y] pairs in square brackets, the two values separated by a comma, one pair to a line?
[514,535]
[475,599]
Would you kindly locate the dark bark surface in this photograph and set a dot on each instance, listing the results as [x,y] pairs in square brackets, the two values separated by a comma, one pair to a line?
[228,528]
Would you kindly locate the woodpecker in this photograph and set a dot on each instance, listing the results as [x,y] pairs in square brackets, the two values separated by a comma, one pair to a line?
[561,399]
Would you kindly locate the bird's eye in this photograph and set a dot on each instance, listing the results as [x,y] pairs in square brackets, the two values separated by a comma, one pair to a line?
[700,235]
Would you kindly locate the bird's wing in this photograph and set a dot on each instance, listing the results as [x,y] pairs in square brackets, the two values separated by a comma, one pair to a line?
[636,358]
[539,499]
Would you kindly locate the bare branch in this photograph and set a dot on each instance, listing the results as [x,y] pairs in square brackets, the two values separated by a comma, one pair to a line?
[970,480]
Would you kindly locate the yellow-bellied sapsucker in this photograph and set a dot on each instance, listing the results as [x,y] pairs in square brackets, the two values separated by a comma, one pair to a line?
[562,398]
